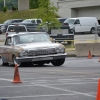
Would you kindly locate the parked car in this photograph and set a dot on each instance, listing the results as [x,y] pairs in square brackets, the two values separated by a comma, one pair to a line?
[33,21]
[82,24]
[61,20]
[62,34]
[33,47]
[9,22]
[15,29]
[33,27]
[0,28]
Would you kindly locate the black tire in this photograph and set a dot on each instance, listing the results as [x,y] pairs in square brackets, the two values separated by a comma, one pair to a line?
[40,63]
[92,31]
[99,35]
[0,32]
[58,62]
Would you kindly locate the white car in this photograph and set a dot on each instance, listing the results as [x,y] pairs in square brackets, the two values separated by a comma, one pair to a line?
[34,21]
[12,29]
[31,47]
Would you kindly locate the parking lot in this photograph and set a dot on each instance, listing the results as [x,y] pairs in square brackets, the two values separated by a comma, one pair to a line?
[77,79]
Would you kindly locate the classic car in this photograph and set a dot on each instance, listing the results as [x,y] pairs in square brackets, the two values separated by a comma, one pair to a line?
[31,47]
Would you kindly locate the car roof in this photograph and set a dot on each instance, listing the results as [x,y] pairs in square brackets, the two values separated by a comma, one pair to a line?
[33,19]
[11,35]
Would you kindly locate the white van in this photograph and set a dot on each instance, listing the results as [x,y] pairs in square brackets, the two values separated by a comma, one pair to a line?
[82,24]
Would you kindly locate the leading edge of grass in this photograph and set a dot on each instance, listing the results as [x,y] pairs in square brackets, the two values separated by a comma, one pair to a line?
[25,14]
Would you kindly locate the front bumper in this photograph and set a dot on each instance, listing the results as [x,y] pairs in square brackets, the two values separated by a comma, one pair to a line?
[41,58]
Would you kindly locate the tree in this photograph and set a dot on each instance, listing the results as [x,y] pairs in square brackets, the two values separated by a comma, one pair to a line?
[33,4]
[48,13]
[4,9]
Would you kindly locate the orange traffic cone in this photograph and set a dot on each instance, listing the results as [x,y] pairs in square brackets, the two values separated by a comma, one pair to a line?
[98,91]
[89,55]
[16,75]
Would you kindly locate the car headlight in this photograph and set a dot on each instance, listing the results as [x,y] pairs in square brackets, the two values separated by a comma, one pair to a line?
[60,49]
[23,53]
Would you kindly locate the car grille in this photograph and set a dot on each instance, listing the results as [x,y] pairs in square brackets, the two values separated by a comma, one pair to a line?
[41,52]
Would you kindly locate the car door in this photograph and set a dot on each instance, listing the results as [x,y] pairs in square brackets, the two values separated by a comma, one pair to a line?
[8,49]
[77,25]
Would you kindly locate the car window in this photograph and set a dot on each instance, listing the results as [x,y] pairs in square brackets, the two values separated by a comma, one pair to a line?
[33,37]
[26,21]
[62,20]
[16,29]
[77,21]
[7,21]
[38,21]
[69,21]
[20,20]
[14,21]
[33,21]
[8,40]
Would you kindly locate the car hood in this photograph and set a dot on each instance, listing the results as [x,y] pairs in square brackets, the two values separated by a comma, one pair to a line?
[38,45]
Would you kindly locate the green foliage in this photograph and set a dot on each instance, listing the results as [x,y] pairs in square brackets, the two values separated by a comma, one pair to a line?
[4,9]
[9,4]
[47,12]
[33,4]
[13,8]
[25,14]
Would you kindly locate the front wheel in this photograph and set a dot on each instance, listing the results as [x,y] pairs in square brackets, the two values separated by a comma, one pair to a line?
[15,61]
[58,62]
[99,35]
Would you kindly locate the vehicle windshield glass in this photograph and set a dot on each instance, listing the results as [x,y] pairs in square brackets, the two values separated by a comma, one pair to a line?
[38,21]
[31,38]
[70,21]
[26,21]
[61,20]
[16,29]
[7,22]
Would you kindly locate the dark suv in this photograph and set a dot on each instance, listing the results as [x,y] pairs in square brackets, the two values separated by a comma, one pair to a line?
[9,22]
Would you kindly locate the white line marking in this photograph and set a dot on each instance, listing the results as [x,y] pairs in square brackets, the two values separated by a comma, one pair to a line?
[67,90]
[70,83]
[31,96]
[5,79]
[17,86]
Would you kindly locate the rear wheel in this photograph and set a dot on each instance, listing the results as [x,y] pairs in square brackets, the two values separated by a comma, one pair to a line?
[92,31]
[58,62]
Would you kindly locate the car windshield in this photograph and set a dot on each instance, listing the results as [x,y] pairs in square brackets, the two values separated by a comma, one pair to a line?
[26,21]
[38,21]
[7,21]
[31,38]
[69,21]
[16,29]
[62,20]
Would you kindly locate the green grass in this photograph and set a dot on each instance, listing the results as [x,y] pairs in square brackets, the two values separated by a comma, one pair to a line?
[25,14]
